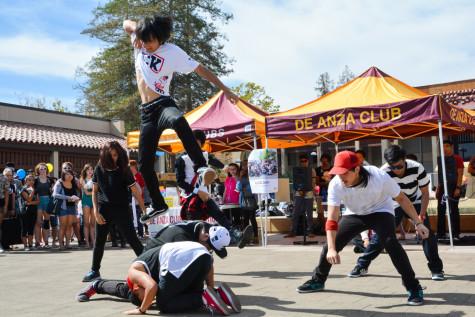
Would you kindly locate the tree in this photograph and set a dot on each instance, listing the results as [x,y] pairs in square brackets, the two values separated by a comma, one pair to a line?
[109,88]
[56,105]
[345,76]
[324,84]
[256,95]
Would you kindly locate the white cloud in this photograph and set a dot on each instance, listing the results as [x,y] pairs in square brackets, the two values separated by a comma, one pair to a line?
[285,45]
[34,55]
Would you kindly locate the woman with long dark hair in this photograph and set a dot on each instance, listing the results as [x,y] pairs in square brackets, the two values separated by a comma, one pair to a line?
[112,183]
[67,191]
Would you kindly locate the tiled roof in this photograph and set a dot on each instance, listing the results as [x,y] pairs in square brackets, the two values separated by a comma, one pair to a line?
[464,98]
[38,134]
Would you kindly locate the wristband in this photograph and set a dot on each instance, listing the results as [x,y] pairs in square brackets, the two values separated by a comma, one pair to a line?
[331,225]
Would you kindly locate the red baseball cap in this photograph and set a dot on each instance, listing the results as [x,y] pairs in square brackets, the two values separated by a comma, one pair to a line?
[344,161]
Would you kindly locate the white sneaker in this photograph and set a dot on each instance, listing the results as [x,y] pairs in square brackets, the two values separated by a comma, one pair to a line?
[1,250]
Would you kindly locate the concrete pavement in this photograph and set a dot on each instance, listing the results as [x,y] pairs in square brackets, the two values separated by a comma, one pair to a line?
[45,283]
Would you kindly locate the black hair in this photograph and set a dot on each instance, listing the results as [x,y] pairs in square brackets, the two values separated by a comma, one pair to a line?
[303,156]
[361,152]
[394,153]
[447,141]
[106,161]
[156,27]
[200,136]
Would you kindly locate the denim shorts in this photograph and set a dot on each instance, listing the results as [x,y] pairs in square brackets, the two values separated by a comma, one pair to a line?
[69,211]
[44,202]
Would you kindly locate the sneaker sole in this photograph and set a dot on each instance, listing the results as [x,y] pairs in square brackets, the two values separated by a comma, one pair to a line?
[415,303]
[438,278]
[145,218]
[217,299]
[247,235]
[234,300]
[209,176]
[309,291]
[359,275]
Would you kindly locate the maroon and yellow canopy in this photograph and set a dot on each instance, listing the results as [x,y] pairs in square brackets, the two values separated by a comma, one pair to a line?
[373,105]
[228,127]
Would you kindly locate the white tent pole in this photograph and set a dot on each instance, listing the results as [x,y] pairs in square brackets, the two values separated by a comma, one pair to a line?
[444,176]
[336,147]
[255,141]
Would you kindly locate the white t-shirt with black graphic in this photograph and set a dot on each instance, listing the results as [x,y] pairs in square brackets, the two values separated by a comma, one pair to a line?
[414,178]
[377,196]
[157,68]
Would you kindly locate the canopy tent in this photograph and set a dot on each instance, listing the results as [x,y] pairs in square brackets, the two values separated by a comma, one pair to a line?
[373,105]
[228,127]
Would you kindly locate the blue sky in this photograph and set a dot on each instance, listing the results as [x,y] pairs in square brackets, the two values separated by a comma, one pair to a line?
[281,45]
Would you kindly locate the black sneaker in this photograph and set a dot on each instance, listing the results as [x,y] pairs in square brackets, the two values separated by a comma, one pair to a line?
[246,237]
[416,297]
[438,276]
[311,286]
[151,213]
[91,276]
[358,271]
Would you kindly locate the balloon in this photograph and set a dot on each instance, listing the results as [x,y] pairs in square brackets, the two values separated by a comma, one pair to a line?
[50,167]
[21,173]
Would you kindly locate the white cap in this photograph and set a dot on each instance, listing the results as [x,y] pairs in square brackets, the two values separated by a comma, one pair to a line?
[219,237]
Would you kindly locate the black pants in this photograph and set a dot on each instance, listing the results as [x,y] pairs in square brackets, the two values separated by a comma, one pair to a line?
[249,216]
[155,117]
[120,216]
[28,220]
[454,214]
[116,288]
[217,214]
[429,245]
[384,225]
[182,294]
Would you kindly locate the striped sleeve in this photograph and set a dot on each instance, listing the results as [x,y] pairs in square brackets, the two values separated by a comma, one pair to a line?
[422,177]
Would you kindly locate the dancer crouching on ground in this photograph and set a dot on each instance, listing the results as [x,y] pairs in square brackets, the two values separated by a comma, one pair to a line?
[110,198]
[173,273]
[367,193]
[155,62]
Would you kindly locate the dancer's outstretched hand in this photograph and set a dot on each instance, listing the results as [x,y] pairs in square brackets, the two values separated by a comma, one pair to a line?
[333,257]
[422,231]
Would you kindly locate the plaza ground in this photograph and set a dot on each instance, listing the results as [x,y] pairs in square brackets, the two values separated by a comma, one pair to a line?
[44,283]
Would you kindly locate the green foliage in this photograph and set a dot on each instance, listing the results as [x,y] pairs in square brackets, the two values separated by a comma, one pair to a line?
[108,80]
[256,95]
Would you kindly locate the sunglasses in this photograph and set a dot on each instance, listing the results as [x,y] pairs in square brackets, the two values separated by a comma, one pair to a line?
[396,167]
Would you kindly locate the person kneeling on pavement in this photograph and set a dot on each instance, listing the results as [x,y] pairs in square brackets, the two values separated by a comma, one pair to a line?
[173,274]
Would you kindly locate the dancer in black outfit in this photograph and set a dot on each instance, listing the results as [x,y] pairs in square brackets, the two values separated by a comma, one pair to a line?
[113,183]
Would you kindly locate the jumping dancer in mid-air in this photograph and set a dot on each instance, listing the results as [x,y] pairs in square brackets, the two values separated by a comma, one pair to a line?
[155,62]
